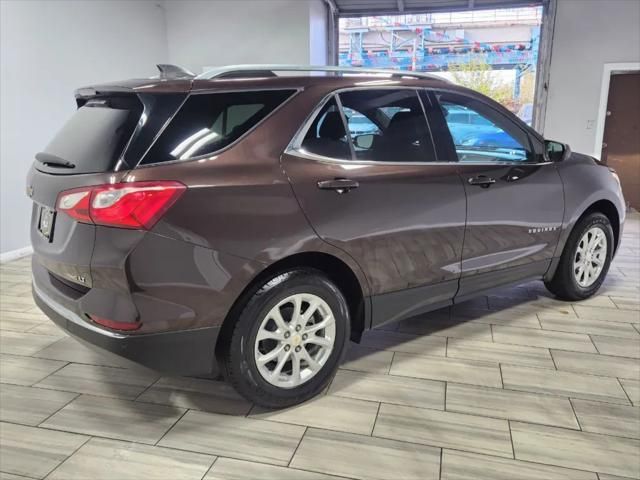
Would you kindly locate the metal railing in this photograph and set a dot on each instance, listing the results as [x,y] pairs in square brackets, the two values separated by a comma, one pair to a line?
[508,16]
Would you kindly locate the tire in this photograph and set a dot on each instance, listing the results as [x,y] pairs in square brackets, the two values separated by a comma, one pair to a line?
[570,283]
[258,381]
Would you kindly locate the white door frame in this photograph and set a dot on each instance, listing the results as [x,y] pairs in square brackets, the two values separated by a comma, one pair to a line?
[609,69]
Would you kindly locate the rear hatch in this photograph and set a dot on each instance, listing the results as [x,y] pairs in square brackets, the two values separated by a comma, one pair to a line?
[101,142]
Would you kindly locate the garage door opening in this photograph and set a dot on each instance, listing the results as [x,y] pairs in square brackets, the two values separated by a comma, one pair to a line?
[491,51]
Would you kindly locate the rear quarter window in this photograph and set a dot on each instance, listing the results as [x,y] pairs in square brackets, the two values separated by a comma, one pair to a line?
[207,123]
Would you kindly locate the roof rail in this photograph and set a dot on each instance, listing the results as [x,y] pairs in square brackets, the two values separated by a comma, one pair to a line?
[242,71]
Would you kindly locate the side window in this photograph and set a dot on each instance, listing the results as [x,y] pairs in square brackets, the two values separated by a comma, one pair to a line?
[326,135]
[207,123]
[483,135]
[401,132]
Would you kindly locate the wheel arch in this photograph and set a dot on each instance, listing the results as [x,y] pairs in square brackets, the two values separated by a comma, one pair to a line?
[336,270]
[608,209]
[604,206]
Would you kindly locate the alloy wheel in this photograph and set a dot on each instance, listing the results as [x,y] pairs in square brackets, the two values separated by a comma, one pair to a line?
[294,341]
[590,257]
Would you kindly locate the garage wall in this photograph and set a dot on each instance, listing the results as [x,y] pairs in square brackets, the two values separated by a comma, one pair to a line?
[587,35]
[47,49]
[226,32]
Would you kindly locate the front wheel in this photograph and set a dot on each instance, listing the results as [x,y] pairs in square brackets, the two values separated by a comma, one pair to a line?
[585,260]
[288,340]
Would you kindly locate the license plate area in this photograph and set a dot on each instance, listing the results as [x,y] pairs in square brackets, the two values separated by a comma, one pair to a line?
[46,220]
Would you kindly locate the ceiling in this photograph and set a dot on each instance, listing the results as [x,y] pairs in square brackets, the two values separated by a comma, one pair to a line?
[348,8]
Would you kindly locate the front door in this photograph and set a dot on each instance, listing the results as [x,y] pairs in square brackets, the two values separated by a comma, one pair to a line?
[515,201]
[621,142]
[376,193]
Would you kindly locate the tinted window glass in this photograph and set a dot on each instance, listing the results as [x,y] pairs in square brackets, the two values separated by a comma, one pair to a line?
[326,135]
[95,136]
[454,117]
[359,124]
[401,134]
[207,123]
[486,135]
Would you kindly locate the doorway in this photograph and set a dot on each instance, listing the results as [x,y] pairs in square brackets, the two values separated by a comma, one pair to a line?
[621,140]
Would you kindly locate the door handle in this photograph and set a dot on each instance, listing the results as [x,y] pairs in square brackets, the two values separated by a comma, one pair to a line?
[482,181]
[340,185]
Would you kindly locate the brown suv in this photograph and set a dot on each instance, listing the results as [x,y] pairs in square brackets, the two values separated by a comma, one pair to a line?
[247,223]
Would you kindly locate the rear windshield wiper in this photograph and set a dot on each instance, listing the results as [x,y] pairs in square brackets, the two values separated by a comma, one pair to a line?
[53,160]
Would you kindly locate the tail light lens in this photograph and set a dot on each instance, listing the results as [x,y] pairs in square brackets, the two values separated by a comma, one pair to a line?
[135,205]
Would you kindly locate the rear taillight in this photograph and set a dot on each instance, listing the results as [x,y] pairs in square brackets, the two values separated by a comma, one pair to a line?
[136,205]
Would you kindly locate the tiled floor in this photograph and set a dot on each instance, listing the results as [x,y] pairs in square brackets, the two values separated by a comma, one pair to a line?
[515,385]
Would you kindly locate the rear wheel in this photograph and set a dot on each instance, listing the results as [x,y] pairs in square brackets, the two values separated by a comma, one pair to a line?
[288,340]
[585,259]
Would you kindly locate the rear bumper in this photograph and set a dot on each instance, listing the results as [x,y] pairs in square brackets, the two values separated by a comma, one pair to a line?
[182,352]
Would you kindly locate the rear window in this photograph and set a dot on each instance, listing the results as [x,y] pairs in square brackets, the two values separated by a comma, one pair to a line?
[207,123]
[94,138]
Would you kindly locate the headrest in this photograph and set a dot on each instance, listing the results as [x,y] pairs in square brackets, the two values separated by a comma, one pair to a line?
[401,118]
[405,125]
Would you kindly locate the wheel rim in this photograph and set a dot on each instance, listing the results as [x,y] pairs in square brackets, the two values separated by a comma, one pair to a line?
[591,256]
[295,340]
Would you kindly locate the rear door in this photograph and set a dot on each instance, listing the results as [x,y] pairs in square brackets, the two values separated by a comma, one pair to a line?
[375,190]
[515,201]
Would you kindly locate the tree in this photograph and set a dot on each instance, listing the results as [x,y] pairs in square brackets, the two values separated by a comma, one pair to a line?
[528,87]
[478,75]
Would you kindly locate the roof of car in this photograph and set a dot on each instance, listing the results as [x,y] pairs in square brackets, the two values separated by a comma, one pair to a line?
[175,80]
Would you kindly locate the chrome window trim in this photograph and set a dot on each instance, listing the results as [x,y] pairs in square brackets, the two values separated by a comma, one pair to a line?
[296,91]
[345,124]
[303,154]
[298,137]
[121,162]
[294,146]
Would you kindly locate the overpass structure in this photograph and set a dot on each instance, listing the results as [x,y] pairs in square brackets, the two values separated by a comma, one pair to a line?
[503,39]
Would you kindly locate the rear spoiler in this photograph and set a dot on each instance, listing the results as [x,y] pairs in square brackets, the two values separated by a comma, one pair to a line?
[172,79]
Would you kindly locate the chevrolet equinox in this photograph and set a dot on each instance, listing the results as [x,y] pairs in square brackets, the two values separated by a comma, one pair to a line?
[249,224]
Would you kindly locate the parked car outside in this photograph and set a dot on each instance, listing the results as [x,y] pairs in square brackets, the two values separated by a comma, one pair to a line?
[205,226]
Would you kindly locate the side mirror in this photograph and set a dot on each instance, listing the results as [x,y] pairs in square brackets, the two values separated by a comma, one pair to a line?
[555,150]
[364,141]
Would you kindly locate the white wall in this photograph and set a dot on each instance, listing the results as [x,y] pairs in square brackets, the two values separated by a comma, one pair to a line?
[226,32]
[588,34]
[318,33]
[48,49]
